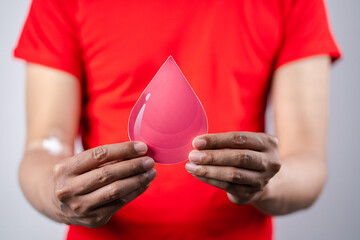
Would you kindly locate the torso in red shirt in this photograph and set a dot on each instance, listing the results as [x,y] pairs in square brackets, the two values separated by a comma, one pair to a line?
[226,49]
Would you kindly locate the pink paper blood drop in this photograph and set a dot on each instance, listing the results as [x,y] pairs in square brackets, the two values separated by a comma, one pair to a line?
[167,116]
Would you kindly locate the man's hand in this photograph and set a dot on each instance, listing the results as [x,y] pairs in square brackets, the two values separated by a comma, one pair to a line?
[91,186]
[241,163]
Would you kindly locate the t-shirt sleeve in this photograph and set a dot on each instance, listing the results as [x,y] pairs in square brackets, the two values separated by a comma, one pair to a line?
[306,32]
[49,37]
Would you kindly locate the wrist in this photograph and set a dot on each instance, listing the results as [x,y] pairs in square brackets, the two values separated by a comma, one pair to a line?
[263,196]
[271,200]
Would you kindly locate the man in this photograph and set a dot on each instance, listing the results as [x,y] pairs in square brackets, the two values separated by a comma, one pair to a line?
[88,62]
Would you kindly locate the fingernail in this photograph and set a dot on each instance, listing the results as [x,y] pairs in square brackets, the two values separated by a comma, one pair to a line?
[190,167]
[151,174]
[149,164]
[196,156]
[199,143]
[140,147]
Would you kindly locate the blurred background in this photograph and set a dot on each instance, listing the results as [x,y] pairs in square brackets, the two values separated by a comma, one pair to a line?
[336,215]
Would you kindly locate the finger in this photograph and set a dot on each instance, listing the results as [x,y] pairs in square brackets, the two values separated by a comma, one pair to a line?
[105,175]
[227,186]
[226,174]
[95,157]
[229,157]
[112,207]
[101,215]
[239,140]
[119,189]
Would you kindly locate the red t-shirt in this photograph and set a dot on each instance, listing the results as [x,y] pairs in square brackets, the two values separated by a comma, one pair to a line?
[228,51]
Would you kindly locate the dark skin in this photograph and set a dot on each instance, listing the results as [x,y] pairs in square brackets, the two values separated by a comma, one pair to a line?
[241,163]
[88,188]
[91,186]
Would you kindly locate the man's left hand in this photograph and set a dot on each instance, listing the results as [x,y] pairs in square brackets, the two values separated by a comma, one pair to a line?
[241,163]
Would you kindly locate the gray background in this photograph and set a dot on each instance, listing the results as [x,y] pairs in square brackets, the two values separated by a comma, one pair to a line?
[336,215]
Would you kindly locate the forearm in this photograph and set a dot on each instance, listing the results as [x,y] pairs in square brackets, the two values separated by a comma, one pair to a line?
[296,186]
[36,179]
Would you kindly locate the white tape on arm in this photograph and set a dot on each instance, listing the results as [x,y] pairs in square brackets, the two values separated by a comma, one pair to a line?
[53,145]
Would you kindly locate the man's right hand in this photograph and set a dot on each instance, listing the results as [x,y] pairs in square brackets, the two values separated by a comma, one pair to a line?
[85,189]
[93,185]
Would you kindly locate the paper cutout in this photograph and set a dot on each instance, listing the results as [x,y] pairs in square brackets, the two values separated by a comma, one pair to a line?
[167,116]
